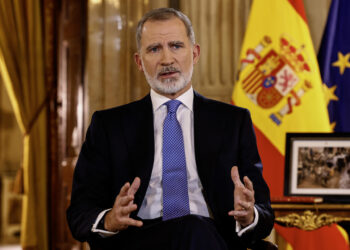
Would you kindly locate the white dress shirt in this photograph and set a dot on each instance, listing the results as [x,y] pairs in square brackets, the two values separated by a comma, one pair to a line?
[152,205]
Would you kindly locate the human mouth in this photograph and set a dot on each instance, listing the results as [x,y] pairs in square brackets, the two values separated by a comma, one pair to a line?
[168,73]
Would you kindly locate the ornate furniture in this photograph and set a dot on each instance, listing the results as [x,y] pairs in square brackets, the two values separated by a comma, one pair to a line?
[310,216]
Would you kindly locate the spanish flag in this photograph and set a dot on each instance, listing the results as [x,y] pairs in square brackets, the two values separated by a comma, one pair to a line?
[279,82]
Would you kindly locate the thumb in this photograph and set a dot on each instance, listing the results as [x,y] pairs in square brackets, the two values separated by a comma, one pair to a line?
[235,176]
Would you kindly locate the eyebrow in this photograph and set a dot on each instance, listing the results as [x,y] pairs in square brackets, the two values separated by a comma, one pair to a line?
[149,47]
[176,43]
[154,45]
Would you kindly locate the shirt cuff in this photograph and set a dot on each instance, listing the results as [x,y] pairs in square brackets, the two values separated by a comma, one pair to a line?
[241,231]
[102,233]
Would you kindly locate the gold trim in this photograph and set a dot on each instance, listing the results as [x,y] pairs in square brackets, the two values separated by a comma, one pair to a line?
[309,220]
[289,206]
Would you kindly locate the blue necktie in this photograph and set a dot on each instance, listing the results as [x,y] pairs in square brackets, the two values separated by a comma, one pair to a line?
[175,191]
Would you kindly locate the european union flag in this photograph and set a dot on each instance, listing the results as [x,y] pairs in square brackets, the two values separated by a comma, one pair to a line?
[334,61]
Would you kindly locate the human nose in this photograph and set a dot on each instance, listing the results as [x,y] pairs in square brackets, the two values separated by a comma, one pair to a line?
[167,57]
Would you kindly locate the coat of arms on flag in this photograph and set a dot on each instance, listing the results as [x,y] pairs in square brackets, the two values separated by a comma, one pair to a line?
[275,75]
[279,82]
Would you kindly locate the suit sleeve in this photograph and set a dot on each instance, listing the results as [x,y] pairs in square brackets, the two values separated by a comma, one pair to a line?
[89,197]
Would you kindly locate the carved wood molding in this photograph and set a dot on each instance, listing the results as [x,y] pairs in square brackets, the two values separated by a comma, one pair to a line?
[309,220]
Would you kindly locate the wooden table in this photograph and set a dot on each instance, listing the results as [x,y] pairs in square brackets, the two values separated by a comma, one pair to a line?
[310,216]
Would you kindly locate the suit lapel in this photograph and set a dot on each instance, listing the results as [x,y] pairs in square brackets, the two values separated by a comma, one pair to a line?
[207,137]
[199,118]
[209,134]
[139,131]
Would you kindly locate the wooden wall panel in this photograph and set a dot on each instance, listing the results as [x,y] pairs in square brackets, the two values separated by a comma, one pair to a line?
[112,76]
[71,39]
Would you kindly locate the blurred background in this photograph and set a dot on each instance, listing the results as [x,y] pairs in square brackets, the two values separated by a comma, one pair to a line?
[62,60]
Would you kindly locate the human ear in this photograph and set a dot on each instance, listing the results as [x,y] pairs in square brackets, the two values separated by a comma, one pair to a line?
[196,53]
[137,58]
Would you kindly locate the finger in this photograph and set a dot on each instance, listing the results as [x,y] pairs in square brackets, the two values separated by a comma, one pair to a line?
[235,176]
[131,222]
[134,186]
[245,205]
[122,193]
[249,196]
[125,200]
[128,209]
[124,189]
[238,207]
[248,193]
[135,223]
[248,183]
[239,214]
[232,212]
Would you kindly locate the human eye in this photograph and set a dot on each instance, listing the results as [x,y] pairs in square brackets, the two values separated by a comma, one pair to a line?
[153,49]
[177,45]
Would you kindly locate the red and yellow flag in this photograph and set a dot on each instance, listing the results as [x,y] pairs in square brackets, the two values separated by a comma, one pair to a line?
[279,82]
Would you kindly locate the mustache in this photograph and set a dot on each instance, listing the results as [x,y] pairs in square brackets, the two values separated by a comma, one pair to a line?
[168,69]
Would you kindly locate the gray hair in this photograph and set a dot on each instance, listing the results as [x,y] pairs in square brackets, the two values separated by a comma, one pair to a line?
[163,14]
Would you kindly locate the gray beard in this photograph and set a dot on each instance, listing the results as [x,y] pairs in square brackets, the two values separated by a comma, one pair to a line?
[168,86]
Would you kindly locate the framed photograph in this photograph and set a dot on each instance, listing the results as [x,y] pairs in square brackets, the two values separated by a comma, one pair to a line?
[318,164]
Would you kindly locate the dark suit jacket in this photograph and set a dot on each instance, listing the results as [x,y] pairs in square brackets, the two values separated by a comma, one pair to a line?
[119,146]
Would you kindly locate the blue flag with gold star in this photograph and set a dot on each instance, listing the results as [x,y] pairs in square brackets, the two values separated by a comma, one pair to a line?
[334,61]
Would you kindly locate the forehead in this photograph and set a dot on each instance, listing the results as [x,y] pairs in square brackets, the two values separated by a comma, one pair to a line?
[155,31]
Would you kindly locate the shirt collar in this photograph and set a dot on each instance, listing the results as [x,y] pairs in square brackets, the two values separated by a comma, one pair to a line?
[186,99]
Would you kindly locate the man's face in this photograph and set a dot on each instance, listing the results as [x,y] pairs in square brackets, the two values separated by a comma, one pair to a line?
[167,56]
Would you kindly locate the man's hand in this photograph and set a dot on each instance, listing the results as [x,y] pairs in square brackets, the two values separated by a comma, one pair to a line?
[243,199]
[119,217]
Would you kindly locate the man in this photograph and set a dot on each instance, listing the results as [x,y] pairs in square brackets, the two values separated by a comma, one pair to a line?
[182,153]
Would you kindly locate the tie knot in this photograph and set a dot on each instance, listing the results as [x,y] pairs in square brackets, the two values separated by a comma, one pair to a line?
[172,105]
